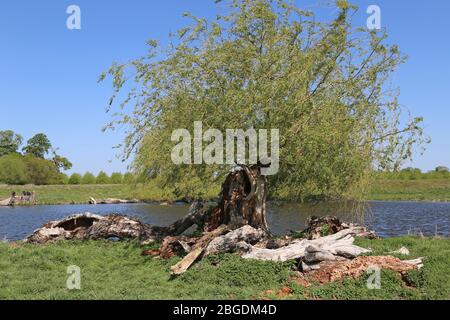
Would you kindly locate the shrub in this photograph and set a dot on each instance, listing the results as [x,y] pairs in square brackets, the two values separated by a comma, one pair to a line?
[75,178]
[41,171]
[128,178]
[102,178]
[88,178]
[13,170]
[116,178]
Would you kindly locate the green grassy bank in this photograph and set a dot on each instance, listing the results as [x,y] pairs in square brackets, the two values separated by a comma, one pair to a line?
[385,190]
[119,271]
[68,194]
[411,190]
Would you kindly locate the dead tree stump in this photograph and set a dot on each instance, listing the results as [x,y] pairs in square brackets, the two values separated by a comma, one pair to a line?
[242,201]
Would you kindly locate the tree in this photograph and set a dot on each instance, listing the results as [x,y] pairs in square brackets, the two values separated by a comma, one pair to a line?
[64,179]
[116,178]
[38,146]
[102,178]
[75,178]
[270,65]
[42,171]
[88,178]
[9,142]
[62,162]
[128,178]
[13,170]
[442,169]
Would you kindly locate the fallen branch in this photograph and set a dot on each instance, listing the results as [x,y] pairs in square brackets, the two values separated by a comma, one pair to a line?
[339,244]
[197,250]
[111,201]
[230,241]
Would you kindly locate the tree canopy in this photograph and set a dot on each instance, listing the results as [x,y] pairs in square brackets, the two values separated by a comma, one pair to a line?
[38,146]
[9,142]
[30,167]
[267,64]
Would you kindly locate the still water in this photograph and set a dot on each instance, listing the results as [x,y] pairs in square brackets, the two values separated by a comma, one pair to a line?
[388,219]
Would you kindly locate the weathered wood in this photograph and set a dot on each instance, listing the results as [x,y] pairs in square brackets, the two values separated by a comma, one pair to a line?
[111,201]
[90,226]
[242,200]
[25,198]
[229,242]
[318,227]
[197,250]
[196,216]
[329,271]
[173,245]
[339,244]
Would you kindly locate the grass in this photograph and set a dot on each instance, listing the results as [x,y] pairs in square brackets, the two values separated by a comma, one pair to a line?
[383,190]
[70,194]
[411,190]
[119,271]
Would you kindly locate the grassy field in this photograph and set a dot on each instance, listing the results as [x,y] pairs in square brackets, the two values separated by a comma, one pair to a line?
[68,194]
[119,271]
[385,190]
[412,190]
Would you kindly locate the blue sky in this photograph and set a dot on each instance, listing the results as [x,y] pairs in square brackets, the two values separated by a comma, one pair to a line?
[48,74]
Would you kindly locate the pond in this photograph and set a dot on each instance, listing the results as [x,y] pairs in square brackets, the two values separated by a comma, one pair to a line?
[388,219]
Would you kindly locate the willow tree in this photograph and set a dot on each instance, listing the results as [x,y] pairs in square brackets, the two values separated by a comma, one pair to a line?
[268,64]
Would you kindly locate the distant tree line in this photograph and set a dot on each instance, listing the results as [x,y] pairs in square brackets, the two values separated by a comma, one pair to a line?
[37,162]
[101,178]
[441,172]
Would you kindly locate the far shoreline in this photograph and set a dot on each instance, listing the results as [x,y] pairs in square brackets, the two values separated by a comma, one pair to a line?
[420,191]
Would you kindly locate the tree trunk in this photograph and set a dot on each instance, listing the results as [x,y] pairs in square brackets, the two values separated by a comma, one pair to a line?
[242,201]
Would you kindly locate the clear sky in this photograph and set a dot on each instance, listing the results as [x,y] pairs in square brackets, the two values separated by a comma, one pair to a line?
[48,74]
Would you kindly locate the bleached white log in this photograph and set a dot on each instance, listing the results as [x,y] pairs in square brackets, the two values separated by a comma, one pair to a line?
[416,262]
[339,244]
[229,242]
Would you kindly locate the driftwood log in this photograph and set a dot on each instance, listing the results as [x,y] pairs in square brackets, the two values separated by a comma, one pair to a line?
[321,249]
[111,201]
[25,198]
[90,226]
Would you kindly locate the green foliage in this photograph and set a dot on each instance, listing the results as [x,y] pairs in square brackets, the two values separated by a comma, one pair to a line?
[13,170]
[128,178]
[62,162]
[9,142]
[413,174]
[88,178]
[442,169]
[269,65]
[38,146]
[116,178]
[102,178]
[64,179]
[41,171]
[75,178]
